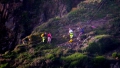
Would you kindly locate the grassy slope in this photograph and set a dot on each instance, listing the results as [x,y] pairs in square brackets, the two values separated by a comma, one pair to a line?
[35,54]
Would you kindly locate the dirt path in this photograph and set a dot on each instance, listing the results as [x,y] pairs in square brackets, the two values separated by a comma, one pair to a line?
[88,28]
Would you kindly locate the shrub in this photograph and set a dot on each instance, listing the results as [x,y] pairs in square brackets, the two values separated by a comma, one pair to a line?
[115,26]
[24,55]
[35,37]
[101,31]
[49,56]
[75,60]
[74,63]
[119,55]
[9,55]
[100,62]
[4,65]
[20,48]
[49,26]
[102,44]
[114,55]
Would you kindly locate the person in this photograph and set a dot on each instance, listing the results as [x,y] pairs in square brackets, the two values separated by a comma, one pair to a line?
[49,36]
[43,37]
[71,34]
[81,31]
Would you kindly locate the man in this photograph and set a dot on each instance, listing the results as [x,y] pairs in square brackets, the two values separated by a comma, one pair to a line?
[71,34]
[81,31]
[49,36]
[43,37]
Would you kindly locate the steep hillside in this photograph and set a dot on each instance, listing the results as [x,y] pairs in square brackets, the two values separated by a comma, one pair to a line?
[19,17]
[98,47]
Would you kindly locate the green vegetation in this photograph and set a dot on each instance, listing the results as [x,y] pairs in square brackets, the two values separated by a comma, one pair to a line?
[102,44]
[49,55]
[49,26]
[115,26]
[4,65]
[75,60]
[100,61]
[86,12]
[116,55]
[9,55]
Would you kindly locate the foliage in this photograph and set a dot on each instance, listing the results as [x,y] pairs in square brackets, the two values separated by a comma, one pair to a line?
[35,38]
[100,61]
[8,55]
[37,61]
[116,55]
[101,36]
[49,56]
[115,26]
[51,25]
[102,45]
[43,47]
[3,65]
[24,55]
[76,59]
[20,48]
[86,12]
[101,31]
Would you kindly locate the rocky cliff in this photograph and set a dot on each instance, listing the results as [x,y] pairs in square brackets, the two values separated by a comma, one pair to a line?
[19,17]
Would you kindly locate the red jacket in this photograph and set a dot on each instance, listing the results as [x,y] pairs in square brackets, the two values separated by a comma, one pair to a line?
[49,35]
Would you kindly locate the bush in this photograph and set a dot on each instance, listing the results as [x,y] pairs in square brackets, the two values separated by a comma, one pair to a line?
[4,65]
[118,55]
[49,56]
[49,26]
[9,55]
[100,62]
[115,26]
[102,44]
[20,48]
[114,55]
[35,38]
[101,31]
[75,60]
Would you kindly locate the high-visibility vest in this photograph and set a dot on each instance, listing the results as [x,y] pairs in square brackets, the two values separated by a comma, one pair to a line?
[71,33]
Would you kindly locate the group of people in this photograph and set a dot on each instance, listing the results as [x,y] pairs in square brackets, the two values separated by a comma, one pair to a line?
[71,34]
[46,36]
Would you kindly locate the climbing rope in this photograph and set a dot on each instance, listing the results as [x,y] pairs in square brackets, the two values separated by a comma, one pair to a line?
[98,9]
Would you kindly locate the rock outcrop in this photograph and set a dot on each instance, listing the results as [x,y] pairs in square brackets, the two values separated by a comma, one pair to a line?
[19,17]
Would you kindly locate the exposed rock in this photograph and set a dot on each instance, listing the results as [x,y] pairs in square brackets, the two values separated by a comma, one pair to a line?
[18,18]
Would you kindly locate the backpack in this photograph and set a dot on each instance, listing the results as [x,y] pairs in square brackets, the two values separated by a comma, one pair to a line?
[82,30]
[42,35]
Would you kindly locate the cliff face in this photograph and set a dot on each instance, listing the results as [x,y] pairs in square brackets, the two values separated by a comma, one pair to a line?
[19,17]
[7,25]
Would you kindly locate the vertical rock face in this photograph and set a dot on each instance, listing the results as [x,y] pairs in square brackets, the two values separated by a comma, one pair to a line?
[7,25]
[19,17]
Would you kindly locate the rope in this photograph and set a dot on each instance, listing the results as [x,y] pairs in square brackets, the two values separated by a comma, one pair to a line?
[99,7]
